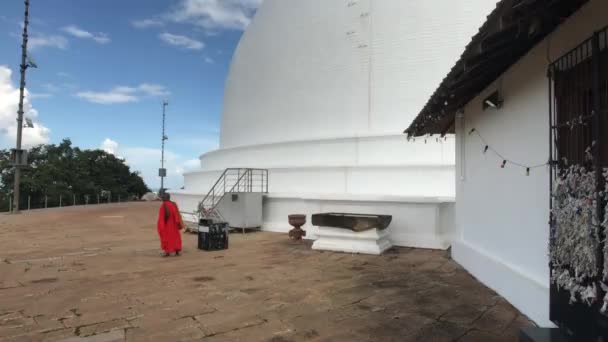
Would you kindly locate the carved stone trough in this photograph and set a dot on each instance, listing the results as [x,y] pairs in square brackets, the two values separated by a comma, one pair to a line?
[352,233]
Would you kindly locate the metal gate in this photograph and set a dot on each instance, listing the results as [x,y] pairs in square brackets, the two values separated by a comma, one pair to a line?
[578,103]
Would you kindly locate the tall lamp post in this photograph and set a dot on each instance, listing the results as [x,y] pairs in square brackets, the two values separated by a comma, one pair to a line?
[19,155]
[162,172]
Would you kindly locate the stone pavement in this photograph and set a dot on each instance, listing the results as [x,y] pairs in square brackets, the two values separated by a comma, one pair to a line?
[95,274]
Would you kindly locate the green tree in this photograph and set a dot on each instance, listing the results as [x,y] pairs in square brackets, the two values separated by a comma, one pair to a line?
[67,171]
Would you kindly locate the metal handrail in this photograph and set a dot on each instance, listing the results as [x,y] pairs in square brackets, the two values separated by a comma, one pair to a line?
[244,181]
[239,180]
[216,182]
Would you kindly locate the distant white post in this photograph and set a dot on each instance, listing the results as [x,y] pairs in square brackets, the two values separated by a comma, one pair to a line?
[162,172]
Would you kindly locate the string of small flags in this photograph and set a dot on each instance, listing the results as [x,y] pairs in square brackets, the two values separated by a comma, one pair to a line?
[505,160]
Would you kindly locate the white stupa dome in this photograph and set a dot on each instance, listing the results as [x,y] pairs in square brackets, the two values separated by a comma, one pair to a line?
[333,83]
[302,69]
[319,92]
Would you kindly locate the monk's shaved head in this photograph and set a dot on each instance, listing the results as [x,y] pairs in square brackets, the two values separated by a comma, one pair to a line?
[166,196]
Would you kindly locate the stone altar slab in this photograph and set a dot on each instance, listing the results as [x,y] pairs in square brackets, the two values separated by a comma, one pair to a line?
[373,241]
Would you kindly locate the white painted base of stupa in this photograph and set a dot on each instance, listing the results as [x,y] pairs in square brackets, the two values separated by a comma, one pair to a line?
[372,241]
[421,222]
[384,174]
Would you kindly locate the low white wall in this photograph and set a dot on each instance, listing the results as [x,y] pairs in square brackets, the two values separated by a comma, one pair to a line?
[412,181]
[388,165]
[502,214]
[373,180]
[424,222]
[384,150]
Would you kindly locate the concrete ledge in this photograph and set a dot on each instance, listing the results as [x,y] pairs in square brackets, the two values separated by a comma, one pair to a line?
[429,241]
[290,168]
[340,197]
[362,197]
[400,181]
[333,152]
[186,193]
[317,140]
[527,293]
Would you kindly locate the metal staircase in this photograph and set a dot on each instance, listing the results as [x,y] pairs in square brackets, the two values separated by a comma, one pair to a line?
[232,180]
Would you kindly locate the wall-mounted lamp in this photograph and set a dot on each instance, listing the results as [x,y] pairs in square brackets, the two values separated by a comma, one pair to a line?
[493,101]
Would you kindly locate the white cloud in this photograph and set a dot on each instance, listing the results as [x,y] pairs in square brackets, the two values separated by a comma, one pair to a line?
[40,95]
[9,102]
[147,161]
[216,14]
[113,96]
[187,166]
[209,60]
[153,89]
[182,41]
[51,87]
[207,140]
[192,164]
[54,41]
[147,23]
[122,94]
[110,146]
[77,32]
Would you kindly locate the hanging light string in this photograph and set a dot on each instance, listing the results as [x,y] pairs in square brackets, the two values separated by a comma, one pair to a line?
[487,147]
[505,160]
[428,137]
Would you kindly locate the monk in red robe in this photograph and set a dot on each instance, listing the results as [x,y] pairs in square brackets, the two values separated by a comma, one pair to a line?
[169,225]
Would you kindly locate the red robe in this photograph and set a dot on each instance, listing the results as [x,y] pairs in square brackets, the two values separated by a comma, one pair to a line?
[168,225]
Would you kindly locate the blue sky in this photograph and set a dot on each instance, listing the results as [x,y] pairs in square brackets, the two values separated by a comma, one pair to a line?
[105,67]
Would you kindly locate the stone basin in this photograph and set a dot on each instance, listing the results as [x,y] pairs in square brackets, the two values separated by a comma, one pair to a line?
[354,222]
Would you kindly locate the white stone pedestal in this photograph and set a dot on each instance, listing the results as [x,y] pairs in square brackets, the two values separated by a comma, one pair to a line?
[343,240]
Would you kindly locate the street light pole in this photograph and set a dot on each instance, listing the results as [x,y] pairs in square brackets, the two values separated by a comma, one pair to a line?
[18,152]
[162,172]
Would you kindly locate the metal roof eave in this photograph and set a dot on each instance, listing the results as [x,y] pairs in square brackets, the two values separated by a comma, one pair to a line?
[512,29]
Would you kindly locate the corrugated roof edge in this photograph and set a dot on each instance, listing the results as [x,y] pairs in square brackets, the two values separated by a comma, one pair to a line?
[437,115]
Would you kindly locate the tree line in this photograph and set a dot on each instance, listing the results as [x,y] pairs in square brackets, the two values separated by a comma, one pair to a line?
[66,171]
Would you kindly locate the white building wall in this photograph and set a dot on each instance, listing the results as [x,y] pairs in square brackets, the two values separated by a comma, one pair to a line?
[502,214]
